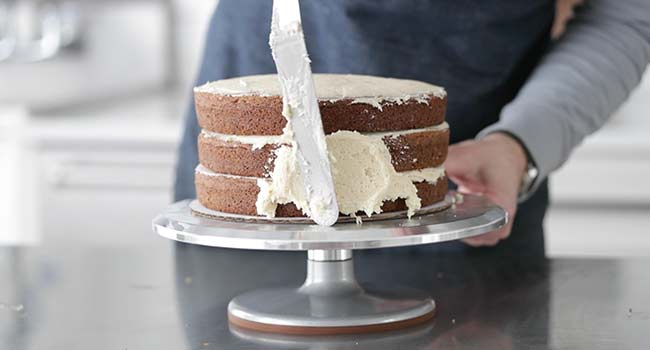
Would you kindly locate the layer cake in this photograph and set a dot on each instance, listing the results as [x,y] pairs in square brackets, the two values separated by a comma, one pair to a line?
[386,138]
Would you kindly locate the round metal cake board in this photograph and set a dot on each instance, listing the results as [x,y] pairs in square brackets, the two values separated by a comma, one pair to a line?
[199,209]
[331,301]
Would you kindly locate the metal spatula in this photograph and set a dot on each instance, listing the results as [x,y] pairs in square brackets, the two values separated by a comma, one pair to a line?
[301,108]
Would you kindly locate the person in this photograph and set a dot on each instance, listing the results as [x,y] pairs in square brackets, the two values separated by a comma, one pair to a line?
[518,101]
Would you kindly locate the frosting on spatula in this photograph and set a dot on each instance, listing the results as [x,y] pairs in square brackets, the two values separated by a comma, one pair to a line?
[300,108]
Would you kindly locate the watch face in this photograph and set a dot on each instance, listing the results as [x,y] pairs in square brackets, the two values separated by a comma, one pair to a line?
[528,180]
[532,173]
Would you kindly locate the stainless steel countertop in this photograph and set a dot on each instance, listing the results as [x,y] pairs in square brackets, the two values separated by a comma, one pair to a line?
[72,293]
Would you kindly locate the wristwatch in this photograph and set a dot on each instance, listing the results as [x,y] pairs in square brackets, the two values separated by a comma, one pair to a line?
[530,174]
[528,180]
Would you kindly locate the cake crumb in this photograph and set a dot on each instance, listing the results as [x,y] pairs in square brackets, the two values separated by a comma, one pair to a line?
[458,198]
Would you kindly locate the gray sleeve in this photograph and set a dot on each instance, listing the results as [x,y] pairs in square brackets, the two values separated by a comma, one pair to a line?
[585,77]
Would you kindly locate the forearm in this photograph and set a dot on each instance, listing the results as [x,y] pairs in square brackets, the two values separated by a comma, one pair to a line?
[581,82]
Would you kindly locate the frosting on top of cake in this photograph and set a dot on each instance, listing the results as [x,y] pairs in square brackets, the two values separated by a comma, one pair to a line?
[332,87]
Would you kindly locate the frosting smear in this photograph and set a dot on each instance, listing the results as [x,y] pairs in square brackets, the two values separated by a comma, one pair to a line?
[363,177]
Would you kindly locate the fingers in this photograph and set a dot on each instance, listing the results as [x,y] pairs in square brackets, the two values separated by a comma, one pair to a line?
[494,237]
[491,167]
[481,242]
[457,162]
[509,204]
[463,168]
[489,239]
[564,12]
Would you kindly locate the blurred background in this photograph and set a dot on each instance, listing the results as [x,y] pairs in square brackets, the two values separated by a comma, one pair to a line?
[88,134]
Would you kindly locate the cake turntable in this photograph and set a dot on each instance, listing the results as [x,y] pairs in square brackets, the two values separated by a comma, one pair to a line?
[330,301]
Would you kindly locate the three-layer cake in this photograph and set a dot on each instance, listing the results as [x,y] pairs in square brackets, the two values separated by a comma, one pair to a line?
[386,138]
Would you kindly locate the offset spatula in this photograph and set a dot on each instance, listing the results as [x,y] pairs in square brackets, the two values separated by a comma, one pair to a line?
[301,109]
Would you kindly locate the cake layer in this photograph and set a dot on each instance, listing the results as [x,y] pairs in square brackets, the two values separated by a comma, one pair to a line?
[238,195]
[253,105]
[253,156]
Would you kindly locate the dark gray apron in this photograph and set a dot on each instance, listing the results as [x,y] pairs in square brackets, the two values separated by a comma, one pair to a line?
[480,51]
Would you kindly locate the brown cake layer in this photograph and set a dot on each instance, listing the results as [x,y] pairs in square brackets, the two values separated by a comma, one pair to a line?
[262,115]
[237,195]
[426,149]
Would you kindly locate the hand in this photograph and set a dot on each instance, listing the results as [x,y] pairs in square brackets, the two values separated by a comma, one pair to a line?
[563,14]
[493,166]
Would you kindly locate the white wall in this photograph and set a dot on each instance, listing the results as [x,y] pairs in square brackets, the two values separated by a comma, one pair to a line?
[192,17]
[601,197]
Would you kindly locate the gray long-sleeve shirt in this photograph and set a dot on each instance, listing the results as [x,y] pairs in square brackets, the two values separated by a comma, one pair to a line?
[587,75]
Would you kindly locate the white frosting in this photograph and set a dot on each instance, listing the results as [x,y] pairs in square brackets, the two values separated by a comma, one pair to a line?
[375,91]
[259,141]
[286,185]
[363,177]
[379,102]
[200,169]
[430,175]
[256,141]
